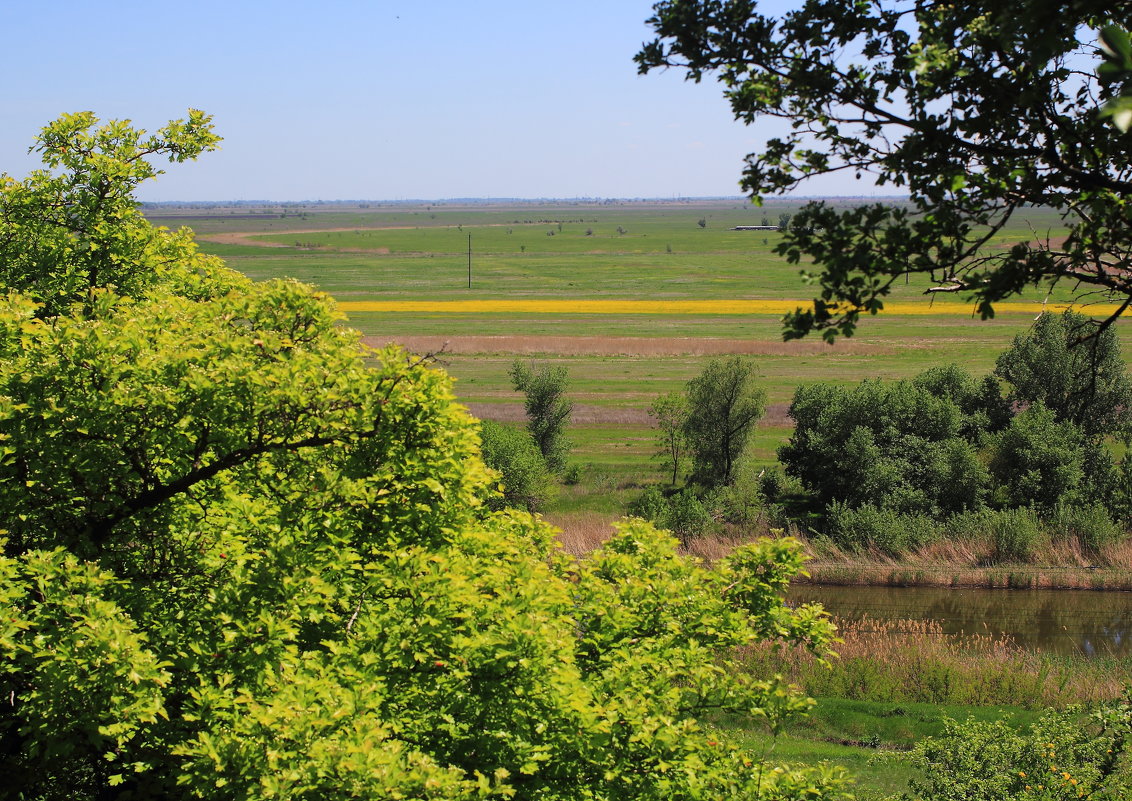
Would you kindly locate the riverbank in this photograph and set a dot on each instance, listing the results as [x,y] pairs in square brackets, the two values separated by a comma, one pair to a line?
[1017,577]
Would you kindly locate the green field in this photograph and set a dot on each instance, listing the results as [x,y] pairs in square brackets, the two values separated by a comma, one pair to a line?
[574,251]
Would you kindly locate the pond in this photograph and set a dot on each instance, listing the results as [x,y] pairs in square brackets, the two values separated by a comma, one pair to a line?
[1082,622]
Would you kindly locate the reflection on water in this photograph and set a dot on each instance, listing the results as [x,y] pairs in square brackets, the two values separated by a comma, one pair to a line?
[1055,621]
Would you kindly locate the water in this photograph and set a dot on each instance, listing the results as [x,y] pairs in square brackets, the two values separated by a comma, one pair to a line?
[1079,622]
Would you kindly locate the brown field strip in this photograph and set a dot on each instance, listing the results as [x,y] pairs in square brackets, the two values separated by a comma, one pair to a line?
[662,307]
[624,346]
[584,414]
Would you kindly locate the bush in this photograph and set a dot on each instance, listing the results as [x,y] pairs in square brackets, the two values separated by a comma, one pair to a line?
[1089,524]
[688,518]
[884,444]
[866,526]
[1066,755]
[1015,534]
[1038,460]
[527,482]
[650,505]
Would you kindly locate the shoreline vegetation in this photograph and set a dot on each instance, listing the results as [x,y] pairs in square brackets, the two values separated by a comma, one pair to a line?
[1060,566]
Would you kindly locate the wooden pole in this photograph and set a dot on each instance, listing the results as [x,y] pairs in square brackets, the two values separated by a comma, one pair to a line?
[469,261]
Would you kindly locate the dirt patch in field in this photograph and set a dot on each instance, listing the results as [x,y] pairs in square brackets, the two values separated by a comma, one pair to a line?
[585,414]
[626,346]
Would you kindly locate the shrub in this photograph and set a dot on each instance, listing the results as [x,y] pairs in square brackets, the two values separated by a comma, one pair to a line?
[651,505]
[1089,524]
[1066,755]
[1038,460]
[1015,534]
[526,479]
[892,532]
[884,444]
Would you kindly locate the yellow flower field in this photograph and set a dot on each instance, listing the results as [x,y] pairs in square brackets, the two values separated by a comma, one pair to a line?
[660,307]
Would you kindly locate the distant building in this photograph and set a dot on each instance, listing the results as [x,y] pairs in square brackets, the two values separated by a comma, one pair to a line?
[755,228]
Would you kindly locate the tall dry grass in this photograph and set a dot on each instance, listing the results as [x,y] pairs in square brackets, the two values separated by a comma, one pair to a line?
[915,661]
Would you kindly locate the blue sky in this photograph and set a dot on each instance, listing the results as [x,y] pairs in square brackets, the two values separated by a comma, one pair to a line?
[344,99]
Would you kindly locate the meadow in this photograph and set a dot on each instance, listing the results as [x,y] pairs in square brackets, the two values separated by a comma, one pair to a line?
[630,297]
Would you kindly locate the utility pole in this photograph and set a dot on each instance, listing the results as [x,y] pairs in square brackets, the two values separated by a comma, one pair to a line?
[469,261]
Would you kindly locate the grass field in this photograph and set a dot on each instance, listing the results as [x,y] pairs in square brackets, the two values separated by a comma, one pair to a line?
[630,297]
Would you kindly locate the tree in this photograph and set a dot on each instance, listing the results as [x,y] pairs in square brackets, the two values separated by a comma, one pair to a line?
[976,110]
[548,410]
[249,559]
[1039,461]
[891,445]
[702,222]
[723,407]
[671,414]
[1072,365]
[74,227]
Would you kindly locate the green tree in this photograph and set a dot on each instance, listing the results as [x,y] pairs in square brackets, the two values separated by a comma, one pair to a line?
[249,559]
[1044,462]
[74,227]
[671,414]
[975,110]
[548,410]
[892,445]
[1073,366]
[526,479]
[724,404]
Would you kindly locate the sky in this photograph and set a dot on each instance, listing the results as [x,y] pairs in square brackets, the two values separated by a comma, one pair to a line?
[377,100]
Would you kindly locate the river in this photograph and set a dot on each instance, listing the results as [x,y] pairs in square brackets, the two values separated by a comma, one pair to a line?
[1081,622]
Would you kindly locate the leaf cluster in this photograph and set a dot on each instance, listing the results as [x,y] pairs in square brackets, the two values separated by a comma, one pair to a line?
[973,110]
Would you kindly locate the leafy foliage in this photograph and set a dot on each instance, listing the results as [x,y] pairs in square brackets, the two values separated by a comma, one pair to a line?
[526,479]
[975,110]
[893,445]
[1074,368]
[1067,755]
[671,414]
[250,559]
[74,227]
[1039,461]
[723,407]
[548,410]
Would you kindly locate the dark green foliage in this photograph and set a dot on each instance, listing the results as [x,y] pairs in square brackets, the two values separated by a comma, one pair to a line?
[894,445]
[1073,367]
[1040,461]
[683,512]
[724,404]
[983,406]
[687,517]
[1015,533]
[525,477]
[1089,524]
[973,110]
[548,410]
[868,526]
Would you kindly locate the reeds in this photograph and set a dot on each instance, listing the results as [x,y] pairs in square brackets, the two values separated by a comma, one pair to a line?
[914,661]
